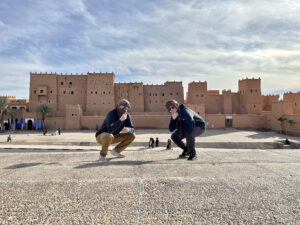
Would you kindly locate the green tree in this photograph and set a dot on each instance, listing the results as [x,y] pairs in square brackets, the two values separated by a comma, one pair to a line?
[291,122]
[12,114]
[282,120]
[4,104]
[44,110]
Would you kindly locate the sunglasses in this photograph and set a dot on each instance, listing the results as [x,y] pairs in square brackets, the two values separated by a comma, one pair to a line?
[124,107]
[172,107]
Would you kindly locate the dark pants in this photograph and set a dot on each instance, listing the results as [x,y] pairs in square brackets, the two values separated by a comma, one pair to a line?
[190,139]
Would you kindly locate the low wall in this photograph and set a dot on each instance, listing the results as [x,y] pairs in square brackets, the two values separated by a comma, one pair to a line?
[91,122]
[151,121]
[244,121]
[215,121]
[272,123]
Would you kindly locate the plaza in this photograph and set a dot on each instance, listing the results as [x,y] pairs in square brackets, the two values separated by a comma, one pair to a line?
[239,177]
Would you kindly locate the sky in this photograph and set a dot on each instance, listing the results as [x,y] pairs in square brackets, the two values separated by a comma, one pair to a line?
[218,41]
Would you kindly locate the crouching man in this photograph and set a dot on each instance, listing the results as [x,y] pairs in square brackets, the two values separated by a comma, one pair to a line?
[185,123]
[117,127]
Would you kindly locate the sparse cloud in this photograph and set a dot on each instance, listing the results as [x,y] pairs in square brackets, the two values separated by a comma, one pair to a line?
[152,41]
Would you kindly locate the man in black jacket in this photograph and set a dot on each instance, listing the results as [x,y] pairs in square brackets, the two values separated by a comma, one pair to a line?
[117,127]
[186,124]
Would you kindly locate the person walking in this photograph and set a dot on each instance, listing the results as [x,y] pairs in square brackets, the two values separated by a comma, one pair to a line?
[185,123]
[9,138]
[116,128]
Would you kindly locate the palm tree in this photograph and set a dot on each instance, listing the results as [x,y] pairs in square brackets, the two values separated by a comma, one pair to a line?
[44,110]
[12,113]
[4,104]
[291,123]
[282,119]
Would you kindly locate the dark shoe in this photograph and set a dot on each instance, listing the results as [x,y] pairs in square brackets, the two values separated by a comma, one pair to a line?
[184,154]
[192,157]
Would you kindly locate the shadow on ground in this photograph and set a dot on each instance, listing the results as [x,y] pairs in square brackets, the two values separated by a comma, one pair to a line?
[112,163]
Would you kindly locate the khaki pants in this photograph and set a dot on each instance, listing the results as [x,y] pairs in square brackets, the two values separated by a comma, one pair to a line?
[106,139]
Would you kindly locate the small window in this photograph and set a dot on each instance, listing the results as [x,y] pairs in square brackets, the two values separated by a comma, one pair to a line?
[51,92]
[72,114]
[295,104]
[251,90]
[177,93]
[171,93]
[163,94]
[64,92]
[197,95]
[150,94]
[202,95]
[254,106]
[49,101]
[70,83]
[103,92]
[91,92]
[155,94]
[72,92]
[109,92]
[96,92]
[34,91]
[62,83]
[256,90]
[41,91]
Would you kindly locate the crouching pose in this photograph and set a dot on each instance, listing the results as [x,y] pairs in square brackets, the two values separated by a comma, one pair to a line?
[186,124]
[117,127]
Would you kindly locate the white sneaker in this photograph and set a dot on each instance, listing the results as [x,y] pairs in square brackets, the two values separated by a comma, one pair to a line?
[102,159]
[118,155]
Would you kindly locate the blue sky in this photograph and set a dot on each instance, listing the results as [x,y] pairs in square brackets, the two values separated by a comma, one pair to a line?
[218,41]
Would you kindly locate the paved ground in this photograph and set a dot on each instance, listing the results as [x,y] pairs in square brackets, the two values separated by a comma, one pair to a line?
[150,186]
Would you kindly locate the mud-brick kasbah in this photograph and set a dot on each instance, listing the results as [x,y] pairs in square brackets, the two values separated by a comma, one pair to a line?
[82,101]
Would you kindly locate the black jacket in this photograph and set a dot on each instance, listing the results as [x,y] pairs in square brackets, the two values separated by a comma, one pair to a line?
[190,119]
[113,125]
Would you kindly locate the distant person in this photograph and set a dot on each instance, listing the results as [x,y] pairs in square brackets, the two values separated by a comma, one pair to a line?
[156,142]
[117,127]
[169,144]
[9,139]
[59,131]
[185,123]
[45,132]
[151,143]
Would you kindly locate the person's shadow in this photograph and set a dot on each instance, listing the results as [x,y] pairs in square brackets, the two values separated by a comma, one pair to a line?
[110,162]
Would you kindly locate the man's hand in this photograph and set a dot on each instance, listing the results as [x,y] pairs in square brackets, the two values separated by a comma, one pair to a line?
[174,115]
[125,130]
[123,117]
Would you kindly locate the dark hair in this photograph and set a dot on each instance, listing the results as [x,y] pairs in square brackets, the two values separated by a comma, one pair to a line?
[172,103]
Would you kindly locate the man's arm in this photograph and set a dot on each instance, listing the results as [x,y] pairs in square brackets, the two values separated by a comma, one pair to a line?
[187,119]
[129,125]
[172,125]
[112,124]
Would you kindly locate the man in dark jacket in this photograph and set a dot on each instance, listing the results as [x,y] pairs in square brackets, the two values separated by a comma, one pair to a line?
[117,127]
[185,123]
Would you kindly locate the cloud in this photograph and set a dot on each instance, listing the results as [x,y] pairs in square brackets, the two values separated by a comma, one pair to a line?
[152,41]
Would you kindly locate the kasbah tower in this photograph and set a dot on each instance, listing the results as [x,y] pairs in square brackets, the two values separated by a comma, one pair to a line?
[82,101]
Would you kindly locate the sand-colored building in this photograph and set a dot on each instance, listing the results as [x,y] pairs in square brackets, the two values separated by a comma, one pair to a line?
[82,101]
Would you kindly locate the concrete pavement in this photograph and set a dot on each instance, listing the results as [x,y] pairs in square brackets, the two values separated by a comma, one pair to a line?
[152,186]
